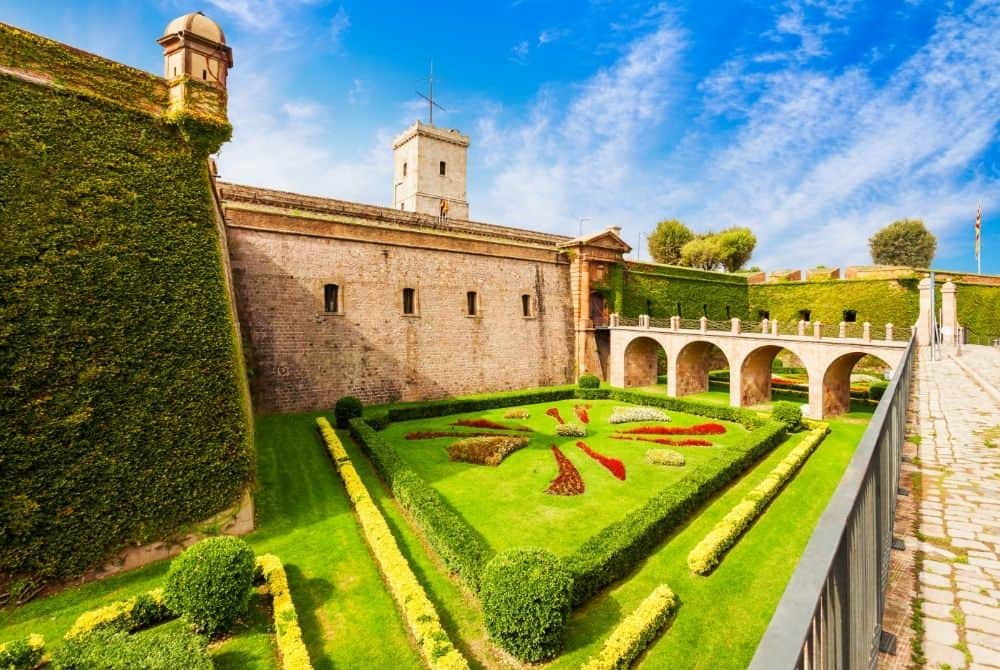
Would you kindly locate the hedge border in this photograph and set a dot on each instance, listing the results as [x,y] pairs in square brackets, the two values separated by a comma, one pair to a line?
[287,632]
[23,654]
[634,633]
[617,548]
[419,614]
[710,551]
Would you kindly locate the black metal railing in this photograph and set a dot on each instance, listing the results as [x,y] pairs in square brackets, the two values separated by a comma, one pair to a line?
[831,611]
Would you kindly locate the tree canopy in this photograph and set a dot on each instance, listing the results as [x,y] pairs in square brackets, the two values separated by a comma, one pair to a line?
[667,240]
[674,243]
[903,242]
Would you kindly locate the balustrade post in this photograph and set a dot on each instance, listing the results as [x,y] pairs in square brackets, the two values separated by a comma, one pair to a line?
[774,327]
[675,322]
[866,331]
[735,327]
[765,326]
[888,331]
[817,330]
[843,330]
[613,320]
[644,320]
[802,328]
[703,324]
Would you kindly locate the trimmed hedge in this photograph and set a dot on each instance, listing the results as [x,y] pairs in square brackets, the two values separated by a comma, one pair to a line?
[588,381]
[108,649]
[22,654]
[123,410]
[787,413]
[288,635]
[136,613]
[616,550]
[347,408]
[433,408]
[526,602]
[877,389]
[418,612]
[707,554]
[631,637]
[209,585]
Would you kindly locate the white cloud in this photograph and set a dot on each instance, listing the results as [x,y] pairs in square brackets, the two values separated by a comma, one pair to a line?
[519,52]
[358,93]
[338,26]
[550,35]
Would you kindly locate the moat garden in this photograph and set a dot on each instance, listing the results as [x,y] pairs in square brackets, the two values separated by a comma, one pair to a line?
[667,529]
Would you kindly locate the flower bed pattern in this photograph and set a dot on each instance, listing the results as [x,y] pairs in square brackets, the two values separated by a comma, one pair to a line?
[665,457]
[554,413]
[612,465]
[697,429]
[485,450]
[632,414]
[434,434]
[486,423]
[516,414]
[688,442]
[568,482]
[581,412]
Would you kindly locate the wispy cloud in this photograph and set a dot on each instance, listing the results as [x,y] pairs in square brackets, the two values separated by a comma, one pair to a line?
[338,26]
[551,35]
[519,52]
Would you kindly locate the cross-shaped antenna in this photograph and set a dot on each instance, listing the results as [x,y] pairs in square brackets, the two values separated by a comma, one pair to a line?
[430,98]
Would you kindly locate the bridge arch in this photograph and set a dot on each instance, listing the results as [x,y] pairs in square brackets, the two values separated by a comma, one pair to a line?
[836,385]
[641,359]
[689,369]
[756,372]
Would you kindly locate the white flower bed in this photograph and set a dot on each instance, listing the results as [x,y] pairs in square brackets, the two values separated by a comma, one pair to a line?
[631,414]
[571,430]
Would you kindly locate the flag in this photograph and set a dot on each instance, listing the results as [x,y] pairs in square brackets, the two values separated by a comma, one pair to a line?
[979,227]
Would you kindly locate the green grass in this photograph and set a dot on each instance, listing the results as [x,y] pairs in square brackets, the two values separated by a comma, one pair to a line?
[349,620]
[517,511]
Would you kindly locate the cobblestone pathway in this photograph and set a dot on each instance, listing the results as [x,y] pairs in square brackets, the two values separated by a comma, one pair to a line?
[959,451]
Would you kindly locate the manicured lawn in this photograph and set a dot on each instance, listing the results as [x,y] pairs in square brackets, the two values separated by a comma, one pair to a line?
[508,503]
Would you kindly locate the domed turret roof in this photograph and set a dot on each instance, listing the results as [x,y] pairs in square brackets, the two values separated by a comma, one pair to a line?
[197,23]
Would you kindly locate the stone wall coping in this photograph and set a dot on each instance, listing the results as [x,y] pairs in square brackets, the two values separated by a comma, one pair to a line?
[747,335]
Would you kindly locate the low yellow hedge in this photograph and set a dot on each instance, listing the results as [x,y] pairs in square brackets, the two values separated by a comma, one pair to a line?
[139,611]
[23,654]
[635,632]
[418,612]
[291,648]
[708,553]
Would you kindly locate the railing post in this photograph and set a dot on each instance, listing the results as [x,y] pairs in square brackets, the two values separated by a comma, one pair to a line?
[703,324]
[866,331]
[802,328]
[613,320]
[774,327]
[644,320]
[675,322]
[765,326]
[735,328]
[817,330]
[889,333]
[843,330]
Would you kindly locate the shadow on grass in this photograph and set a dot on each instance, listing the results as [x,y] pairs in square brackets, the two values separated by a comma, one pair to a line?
[309,596]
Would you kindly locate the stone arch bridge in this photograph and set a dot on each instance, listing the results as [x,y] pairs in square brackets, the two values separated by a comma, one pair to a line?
[633,352]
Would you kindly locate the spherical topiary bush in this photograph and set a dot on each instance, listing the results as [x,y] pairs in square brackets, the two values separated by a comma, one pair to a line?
[787,413]
[347,408]
[877,389]
[526,597]
[209,584]
[589,381]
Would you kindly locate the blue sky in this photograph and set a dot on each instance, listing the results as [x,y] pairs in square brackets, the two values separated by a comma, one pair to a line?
[814,122]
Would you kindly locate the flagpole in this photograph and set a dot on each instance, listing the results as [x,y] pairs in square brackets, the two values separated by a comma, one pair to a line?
[979,238]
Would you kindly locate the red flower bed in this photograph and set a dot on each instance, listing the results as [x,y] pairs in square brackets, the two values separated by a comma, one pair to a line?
[434,434]
[486,423]
[554,413]
[612,465]
[581,412]
[568,482]
[689,442]
[697,429]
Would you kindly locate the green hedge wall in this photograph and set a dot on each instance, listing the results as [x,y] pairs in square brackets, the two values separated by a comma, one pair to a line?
[979,311]
[629,288]
[879,301]
[122,411]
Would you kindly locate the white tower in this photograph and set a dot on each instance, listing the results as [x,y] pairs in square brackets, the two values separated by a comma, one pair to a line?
[194,46]
[429,165]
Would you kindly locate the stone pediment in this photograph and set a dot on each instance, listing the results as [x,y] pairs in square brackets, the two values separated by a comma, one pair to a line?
[605,239]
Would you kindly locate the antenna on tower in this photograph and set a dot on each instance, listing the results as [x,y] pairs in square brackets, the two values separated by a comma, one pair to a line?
[430,98]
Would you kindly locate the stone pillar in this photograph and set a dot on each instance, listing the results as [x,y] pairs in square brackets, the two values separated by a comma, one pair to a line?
[735,328]
[613,320]
[616,357]
[774,327]
[888,332]
[644,320]
[815,396]
[866,331]
[802,328]
[765,327]
[703,324]
[924,318]
[672,372]
[949,312]
[843,330]
[675,323]
[817,330]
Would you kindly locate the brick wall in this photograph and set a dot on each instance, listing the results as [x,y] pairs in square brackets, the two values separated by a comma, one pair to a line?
[306,359]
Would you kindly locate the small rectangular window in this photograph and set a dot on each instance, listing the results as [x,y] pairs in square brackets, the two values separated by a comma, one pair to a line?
[404,169]
[441,167]
[409,301]
[526,305]
[331,298]
[850,316]
[472,303]
[805,315]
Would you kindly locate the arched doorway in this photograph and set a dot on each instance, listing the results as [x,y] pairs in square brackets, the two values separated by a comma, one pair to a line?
[837,381]
[641,361]
[693,364]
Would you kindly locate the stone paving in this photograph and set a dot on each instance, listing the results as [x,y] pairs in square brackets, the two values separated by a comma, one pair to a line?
[959,532]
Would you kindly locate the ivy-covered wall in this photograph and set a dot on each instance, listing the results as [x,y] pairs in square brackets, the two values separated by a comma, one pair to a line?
[879,301]
[122,416]
[979,311]
[643,288]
